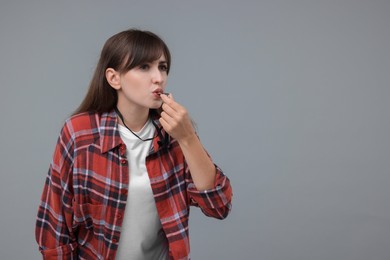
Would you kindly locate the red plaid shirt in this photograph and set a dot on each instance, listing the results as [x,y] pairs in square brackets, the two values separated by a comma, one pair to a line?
[84,197]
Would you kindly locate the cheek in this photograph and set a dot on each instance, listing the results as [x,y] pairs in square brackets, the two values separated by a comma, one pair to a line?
[131,80]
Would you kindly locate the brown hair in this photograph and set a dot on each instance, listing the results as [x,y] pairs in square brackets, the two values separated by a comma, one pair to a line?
[122,52]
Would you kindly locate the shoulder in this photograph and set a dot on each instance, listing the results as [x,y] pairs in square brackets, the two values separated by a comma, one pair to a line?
[83,121]
[82,124]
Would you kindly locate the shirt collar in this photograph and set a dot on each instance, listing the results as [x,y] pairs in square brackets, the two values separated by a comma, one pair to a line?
[108,130]
[110,137]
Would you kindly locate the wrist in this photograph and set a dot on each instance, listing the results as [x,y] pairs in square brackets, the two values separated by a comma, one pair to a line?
[188,140]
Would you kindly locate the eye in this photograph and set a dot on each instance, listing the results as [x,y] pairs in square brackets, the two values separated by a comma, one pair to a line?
[144,67]
[163,67]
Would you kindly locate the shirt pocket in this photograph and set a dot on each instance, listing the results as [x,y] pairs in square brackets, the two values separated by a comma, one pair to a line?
[87,215]
[87,222]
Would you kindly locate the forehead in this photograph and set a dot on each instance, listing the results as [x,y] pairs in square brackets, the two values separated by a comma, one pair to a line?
[161,59]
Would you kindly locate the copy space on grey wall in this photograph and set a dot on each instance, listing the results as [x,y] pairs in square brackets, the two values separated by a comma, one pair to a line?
[290,98]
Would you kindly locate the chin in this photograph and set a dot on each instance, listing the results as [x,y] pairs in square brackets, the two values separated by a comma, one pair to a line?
[156,105]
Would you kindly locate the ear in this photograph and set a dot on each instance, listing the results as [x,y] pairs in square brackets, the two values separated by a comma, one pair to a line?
[113,78]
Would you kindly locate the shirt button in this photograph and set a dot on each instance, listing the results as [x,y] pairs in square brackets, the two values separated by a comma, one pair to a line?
[119,216]
[123,161]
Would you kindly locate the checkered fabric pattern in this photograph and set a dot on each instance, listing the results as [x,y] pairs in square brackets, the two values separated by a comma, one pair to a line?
[84,196]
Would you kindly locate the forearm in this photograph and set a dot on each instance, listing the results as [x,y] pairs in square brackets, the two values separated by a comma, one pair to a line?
[176,121]
[201,167]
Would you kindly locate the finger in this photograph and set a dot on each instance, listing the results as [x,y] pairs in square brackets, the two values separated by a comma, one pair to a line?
[168,109]
[165,97]
[177,115]
[167,118]
[165,124]
[170,101]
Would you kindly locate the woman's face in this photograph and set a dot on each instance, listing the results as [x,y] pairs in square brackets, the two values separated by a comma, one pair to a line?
[142,85]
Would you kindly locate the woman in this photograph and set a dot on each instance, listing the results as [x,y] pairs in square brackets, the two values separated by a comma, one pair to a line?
[128,164]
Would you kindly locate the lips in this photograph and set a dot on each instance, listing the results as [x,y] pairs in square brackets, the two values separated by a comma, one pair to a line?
[158,91]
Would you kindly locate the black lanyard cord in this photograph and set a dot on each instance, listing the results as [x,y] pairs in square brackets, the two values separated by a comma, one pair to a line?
[123,121]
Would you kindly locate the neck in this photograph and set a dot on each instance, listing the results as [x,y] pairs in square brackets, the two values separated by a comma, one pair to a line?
[134,118]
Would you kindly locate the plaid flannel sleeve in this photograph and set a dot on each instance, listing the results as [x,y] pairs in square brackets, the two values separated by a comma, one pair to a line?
[53,229]
[214,202]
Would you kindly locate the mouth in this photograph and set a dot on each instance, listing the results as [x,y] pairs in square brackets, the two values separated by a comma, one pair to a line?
[159,92]
[156,93]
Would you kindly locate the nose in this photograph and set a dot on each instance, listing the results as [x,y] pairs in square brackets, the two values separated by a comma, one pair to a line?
[157,76]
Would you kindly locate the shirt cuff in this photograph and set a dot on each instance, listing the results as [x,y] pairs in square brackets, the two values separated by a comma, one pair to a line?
[217,197]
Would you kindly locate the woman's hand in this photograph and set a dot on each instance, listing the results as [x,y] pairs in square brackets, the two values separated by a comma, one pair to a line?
[175,120]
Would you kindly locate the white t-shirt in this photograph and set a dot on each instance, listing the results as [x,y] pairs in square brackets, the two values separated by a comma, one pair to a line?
[142,236]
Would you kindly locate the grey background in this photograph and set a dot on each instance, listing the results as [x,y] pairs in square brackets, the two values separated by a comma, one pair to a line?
[290,97]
